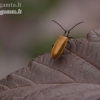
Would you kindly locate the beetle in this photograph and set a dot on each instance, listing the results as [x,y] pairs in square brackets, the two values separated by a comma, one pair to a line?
[58,47]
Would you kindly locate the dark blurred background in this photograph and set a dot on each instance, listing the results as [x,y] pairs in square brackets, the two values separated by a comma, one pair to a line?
[32,33]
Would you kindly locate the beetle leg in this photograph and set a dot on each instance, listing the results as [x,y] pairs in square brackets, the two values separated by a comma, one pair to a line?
[65,52]
[70,37]
[75,39]
[69,44]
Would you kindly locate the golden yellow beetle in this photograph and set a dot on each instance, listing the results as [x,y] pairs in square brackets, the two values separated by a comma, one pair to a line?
[61,42]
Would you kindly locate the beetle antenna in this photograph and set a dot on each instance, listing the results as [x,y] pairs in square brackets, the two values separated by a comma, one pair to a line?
[60,26]
[73,27]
